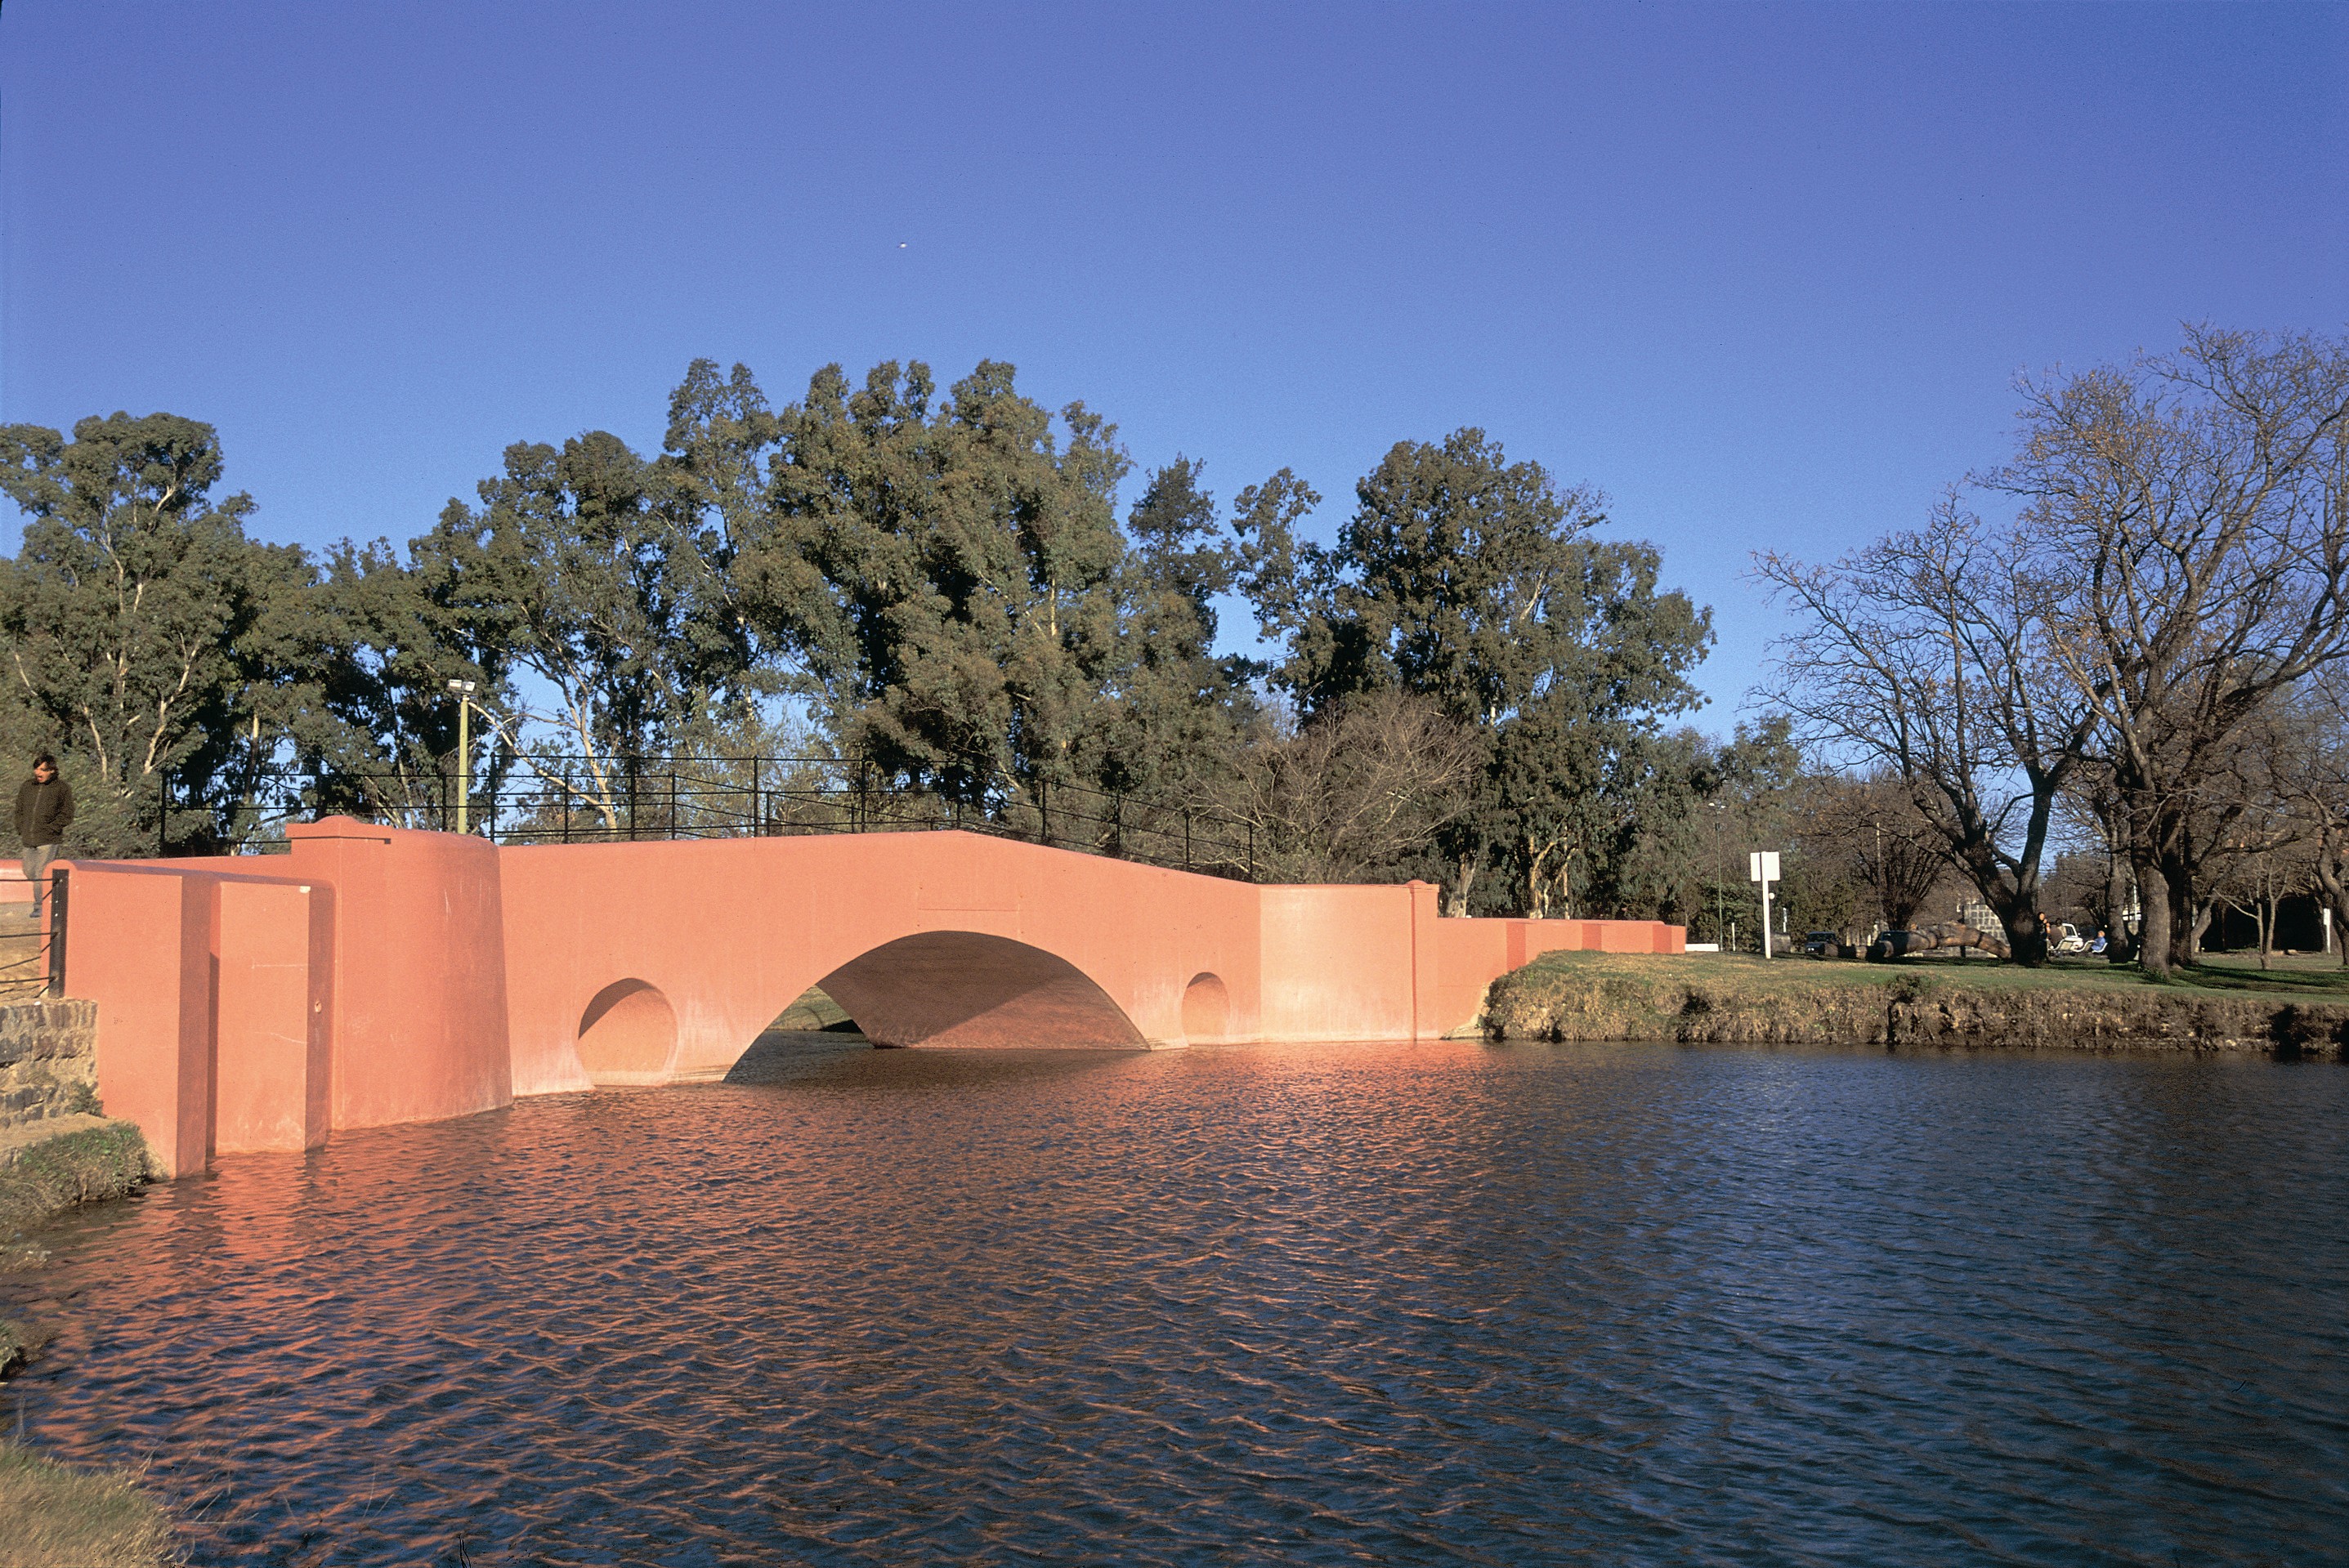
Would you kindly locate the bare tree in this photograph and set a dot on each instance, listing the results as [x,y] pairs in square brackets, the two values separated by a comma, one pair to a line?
[2199,503]
[1360,789]
[2311,779]
[1888,849]
[1923,656]
[2265,863]
[2090,818]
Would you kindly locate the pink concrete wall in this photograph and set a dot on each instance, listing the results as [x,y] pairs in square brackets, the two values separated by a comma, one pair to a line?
[419,971]
[273,946]
[377,975]
[1468,955]
[1341,963]
[215,1010]
[731,931]
[140,945]
[1472,953]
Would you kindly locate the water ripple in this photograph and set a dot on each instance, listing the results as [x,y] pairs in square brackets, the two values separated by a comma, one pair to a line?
[1366,1303]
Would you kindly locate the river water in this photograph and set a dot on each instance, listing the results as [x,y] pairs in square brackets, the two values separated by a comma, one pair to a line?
[1373,1303]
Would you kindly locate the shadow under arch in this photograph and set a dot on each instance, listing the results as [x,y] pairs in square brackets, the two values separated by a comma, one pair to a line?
[965,988]
[627,1034]
[1206,1009]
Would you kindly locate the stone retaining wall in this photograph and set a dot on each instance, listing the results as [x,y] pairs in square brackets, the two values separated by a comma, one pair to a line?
[49,1060]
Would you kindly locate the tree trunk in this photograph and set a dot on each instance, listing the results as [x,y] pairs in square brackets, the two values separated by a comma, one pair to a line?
[2336,896]
[2026,944]
[1463,877]
[2153,920]
[2195,927]
[2118,948]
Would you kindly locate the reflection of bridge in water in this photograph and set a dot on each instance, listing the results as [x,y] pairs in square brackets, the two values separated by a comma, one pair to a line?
[378,975]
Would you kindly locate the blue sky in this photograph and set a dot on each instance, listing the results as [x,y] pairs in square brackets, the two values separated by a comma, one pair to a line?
[1763,274]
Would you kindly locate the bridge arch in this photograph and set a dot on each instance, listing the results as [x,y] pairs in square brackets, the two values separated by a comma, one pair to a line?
[969,988]
[627,1034]
[1206,1009]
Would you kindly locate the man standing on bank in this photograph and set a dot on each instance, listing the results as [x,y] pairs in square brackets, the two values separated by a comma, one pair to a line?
[44,812]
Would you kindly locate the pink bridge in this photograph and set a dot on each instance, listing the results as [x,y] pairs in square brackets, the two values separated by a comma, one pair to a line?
[378,975]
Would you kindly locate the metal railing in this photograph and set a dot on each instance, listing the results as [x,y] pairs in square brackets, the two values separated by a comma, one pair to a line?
[587,799]
[33,952]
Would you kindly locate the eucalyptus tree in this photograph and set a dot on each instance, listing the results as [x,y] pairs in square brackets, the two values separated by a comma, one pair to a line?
[373,722]
[709,489]
[128,617]
[1478,583]
[947,572]
[605,586]
[1177,707]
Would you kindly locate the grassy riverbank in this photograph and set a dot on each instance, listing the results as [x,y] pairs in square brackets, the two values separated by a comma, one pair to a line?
[53,1517]
[2091,1005]
[50,1514]
[91,1162]
[95,1160]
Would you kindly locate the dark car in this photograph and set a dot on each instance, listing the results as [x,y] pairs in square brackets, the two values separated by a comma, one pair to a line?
[1823,943]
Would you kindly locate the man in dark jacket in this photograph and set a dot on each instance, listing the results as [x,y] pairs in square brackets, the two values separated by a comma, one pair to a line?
[44,811]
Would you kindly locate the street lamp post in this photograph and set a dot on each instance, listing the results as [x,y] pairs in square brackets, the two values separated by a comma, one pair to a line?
[1720,894]
[464,690]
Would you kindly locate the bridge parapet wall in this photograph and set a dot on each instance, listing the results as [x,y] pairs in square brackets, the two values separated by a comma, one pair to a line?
[419,971]
[377,975]
[247,1004]
[733,932]
[141,949]
[1342,963]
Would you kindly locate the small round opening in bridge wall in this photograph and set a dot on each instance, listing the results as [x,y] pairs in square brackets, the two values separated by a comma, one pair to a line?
[627,1034]
[1206,1009]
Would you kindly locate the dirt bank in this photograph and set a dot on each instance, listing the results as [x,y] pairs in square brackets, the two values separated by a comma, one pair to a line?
[1726,999]
[47,1167]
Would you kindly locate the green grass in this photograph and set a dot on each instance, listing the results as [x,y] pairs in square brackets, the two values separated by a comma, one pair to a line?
[84,1167]
[52,1516]
[2081,1003]
[2314,976]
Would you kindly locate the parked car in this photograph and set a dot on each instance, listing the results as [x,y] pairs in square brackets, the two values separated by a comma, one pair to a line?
[1825,945]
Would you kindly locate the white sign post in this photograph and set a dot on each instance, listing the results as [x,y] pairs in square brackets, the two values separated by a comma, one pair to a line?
[1763,864]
